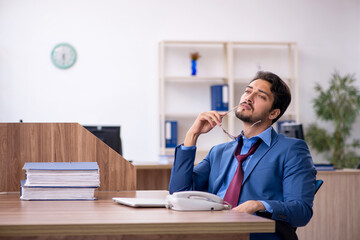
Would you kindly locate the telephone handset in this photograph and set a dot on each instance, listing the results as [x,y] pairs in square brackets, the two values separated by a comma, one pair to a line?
[195,201]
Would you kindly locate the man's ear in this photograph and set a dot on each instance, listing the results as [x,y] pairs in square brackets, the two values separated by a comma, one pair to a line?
[274,114]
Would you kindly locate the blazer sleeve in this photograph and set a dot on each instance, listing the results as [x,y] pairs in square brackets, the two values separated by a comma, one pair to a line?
[299,176]
[186,177]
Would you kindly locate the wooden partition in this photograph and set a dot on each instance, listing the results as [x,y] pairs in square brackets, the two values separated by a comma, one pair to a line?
[336,207]
[59,142]
[152,176]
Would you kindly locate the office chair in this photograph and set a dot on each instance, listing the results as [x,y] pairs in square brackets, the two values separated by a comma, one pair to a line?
[282,228]
[318,184]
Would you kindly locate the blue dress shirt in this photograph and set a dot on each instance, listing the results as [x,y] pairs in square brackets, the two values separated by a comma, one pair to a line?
[247,143]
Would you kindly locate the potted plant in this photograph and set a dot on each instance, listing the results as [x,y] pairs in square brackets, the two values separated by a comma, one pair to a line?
[340,105]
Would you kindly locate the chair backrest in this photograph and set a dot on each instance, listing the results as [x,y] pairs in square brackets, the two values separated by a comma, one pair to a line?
[284,229]
[318,184]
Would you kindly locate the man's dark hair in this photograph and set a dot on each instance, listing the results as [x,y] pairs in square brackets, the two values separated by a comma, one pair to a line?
[282,95]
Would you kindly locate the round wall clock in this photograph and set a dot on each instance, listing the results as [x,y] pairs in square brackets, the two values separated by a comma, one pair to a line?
[63,55]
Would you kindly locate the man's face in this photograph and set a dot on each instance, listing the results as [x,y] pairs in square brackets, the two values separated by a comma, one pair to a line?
[256,102]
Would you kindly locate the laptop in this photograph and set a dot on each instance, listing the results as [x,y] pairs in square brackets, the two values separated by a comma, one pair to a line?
[141,202]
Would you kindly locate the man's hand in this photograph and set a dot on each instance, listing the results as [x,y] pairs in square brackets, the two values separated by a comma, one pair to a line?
[203,124]
[250,207]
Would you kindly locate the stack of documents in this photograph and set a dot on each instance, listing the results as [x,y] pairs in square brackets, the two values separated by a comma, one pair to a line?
[324,167]
[60,181]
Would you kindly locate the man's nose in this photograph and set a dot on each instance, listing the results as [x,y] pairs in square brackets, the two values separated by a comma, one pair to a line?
[250,98]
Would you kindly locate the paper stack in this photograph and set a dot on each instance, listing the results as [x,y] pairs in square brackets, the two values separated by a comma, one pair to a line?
[60,181]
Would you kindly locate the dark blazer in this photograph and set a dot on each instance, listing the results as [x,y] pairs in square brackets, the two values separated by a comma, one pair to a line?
[281,174]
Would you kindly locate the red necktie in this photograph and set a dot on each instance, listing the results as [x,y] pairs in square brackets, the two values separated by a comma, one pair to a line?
[233,192]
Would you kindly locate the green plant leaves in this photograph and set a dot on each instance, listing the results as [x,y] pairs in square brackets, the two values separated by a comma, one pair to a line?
[318,138]
[340,105]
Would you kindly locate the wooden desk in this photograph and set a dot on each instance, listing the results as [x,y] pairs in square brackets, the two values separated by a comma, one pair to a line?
[336,205]
[104,219]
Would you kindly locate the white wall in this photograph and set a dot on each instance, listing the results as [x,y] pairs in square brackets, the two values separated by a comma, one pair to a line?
[114,81]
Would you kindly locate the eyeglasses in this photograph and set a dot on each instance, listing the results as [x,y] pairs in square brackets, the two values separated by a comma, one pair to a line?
[242,131]
[226,132]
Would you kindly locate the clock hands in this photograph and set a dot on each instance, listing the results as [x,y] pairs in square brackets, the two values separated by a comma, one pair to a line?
[63,55]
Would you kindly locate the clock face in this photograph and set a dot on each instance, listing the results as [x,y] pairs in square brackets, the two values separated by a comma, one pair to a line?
[63,55]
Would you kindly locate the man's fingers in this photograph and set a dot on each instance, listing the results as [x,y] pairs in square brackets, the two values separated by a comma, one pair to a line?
[213,117]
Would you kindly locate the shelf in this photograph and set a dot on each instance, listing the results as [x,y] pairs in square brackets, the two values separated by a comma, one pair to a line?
[183,97]
[179,42]
[186,115]
[264,43]
[200,43]
[195,79]
[240,80]
[181,115]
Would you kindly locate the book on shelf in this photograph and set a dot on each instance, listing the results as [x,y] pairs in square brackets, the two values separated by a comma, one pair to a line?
[220,97]
[60,180]
[171,132]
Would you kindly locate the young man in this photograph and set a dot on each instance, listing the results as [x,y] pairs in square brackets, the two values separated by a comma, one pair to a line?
[278,175]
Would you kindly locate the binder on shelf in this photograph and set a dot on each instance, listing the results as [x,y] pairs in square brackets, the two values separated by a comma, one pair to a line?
[220,97]
[171,133]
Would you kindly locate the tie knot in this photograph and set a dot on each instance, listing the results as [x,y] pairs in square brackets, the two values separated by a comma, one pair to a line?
[243,157]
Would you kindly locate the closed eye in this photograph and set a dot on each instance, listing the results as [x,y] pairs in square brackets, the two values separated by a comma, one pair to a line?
[262,97]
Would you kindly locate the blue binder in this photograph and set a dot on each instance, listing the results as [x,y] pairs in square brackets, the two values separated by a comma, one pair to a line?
[171,133]
[220,97]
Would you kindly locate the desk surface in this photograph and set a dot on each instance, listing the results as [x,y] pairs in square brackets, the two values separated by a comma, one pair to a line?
[36,218]
[151,165]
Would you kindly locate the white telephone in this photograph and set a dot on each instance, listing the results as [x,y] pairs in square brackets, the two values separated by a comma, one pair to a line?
[195,201]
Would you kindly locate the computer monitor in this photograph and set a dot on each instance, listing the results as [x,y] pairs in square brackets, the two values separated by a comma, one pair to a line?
[110,135]
[294,130]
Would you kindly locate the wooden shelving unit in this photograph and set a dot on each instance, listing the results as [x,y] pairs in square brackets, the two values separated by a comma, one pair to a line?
[182,96]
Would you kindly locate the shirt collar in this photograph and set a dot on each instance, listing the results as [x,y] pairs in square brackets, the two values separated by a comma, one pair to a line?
[265,136]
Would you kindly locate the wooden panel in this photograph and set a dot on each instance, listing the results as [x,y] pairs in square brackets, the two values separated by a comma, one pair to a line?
[336,208]
[59,142]
[153,179]
[152,175]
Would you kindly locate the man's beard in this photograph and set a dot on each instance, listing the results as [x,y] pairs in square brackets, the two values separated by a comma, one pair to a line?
[246,119]
[242,117]
[250,119]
